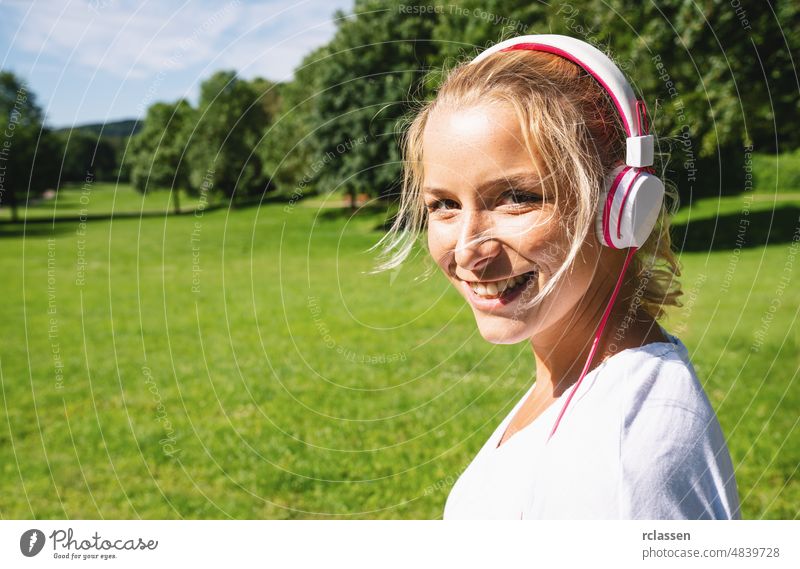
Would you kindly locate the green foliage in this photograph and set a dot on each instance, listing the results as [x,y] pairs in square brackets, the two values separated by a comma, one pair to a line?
[777,172]
[112,136]
[231,119]
[268,97]
[157,155]
[377,60]
[83,154]
[18,105]
[26,145]
[287,146]
[466,27]
[120,146]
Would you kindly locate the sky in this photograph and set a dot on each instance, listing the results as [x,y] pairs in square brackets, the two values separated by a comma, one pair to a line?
[93,61]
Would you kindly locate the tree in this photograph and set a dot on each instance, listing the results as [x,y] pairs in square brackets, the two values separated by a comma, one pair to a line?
[268,96]
[23,172]
[157,155]
[85,154]
[120,145]
[469,26]
[287,146]
[230,122]
[377,60]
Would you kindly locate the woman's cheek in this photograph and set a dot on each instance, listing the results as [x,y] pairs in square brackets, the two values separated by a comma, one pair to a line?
[437,242]
[532,229]
[551,254]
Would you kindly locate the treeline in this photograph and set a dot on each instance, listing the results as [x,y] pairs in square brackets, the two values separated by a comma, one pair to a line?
[218,146]
[719,80]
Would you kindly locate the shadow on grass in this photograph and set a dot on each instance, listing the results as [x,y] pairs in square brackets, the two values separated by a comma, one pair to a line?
[332,213]
[39,226]
[49,226]
[725,232]
[9,229]
[364,212]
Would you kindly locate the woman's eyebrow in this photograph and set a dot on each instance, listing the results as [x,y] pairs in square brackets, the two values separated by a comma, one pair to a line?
[524,181]
[434,191]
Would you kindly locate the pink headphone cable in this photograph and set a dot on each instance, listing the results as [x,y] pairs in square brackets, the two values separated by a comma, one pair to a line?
[597,336]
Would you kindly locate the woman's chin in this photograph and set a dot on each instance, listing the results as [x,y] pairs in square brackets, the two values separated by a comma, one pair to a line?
[503,331]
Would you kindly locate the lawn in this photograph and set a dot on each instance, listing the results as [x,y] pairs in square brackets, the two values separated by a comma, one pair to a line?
[239,364]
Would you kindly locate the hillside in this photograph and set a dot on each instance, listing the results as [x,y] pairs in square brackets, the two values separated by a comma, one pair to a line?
[121,128]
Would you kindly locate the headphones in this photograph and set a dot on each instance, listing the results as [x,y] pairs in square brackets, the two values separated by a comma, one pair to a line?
[632,196]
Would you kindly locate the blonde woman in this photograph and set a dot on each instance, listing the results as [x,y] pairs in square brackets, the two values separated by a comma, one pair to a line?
[531,173]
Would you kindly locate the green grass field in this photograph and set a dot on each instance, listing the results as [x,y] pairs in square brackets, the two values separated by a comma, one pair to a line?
[239,365]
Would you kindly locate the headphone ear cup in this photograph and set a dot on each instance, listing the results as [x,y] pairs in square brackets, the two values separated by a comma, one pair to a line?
[628,207]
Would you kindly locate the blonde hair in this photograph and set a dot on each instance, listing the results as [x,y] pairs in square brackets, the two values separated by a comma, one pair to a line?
[578,137]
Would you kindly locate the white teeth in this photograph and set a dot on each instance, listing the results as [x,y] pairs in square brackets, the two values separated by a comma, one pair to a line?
[495,288]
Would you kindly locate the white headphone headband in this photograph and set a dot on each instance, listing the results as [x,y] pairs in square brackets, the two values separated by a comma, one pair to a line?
[607,74]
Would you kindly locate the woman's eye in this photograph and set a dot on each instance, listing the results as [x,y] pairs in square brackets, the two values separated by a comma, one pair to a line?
[518,198]
[440,204]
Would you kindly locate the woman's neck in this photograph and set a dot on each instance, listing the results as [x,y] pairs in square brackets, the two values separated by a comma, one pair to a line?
[561,351]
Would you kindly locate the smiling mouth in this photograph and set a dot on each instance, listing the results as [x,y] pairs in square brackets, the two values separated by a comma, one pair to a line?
[501,288]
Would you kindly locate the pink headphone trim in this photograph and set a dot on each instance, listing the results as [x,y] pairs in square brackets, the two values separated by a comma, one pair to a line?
[622,205]
[607,208]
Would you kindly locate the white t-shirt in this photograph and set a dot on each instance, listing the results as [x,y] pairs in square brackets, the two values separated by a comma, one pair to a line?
[639,440]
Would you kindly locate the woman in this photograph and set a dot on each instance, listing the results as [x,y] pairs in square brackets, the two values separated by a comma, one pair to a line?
[531,172]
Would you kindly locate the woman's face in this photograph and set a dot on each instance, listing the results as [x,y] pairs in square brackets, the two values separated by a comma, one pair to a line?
[488,222]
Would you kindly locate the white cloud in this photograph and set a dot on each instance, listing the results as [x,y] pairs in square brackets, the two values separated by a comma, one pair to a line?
[272,39]
[134,40]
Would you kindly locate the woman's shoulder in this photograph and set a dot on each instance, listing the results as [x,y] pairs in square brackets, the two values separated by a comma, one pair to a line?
[645,429]
[674,461]
[659,375]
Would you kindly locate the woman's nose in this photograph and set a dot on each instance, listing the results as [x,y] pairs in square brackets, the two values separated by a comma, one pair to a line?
[476,246]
